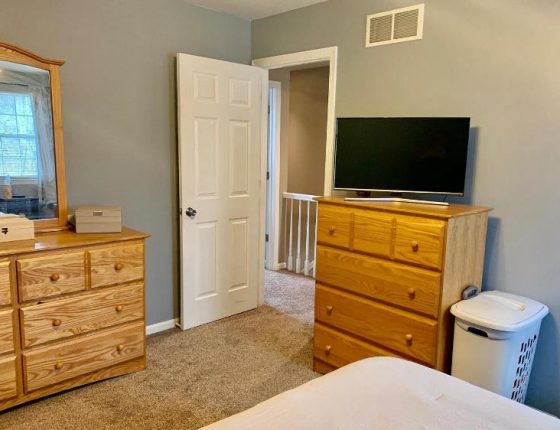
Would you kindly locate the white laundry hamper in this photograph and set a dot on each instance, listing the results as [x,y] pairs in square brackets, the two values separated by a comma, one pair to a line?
[495,340]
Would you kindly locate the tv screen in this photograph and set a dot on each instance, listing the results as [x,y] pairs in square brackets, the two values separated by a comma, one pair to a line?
[416,155]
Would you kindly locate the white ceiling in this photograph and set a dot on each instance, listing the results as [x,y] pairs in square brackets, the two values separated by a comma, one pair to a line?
[253,9]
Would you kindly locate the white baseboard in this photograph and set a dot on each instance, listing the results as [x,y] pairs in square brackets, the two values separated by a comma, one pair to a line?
[161,326]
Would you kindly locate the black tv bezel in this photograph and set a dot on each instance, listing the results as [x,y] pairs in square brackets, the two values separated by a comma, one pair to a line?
[380,190]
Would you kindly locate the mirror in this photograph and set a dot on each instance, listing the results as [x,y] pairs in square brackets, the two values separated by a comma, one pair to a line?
[31,160]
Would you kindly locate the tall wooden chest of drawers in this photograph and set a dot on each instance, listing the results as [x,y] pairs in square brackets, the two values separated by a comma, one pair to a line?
[387,275]
[71,312]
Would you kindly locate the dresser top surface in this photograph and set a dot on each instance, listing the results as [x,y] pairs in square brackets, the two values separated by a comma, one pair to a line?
[67,239]
[433,211]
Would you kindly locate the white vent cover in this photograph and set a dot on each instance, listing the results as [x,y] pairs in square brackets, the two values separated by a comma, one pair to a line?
[398,25]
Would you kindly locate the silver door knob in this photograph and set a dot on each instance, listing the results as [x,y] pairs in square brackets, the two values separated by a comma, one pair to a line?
[190,212]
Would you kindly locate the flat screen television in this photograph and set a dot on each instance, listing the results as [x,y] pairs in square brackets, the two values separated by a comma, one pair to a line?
[402,155]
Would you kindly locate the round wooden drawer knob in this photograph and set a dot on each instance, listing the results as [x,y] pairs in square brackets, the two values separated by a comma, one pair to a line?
[119,308]
[329,310]
[119,266]
[328,349]
[56,322]
[414,245]
[408,338]
[58,366]
[332,229]
[411,293]
[120,347]
[55,277]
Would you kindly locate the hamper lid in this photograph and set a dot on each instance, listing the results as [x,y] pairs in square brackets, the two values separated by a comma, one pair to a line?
[499,311]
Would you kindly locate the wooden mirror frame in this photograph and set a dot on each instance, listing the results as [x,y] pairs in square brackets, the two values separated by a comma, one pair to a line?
[14,54]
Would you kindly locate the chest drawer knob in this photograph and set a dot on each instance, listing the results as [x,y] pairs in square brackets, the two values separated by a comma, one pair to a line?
[328,349]
[332,229]
[408,339]
[414,245]
[120,347]
[58,365]
[329,309]
[55,277]
[56,322]
[119,266]
[411,293]
[119,308]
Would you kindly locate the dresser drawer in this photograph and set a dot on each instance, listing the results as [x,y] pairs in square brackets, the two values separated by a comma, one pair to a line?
[69,317]
[334,226]
[338,349]
[410,287]
[6,331]
[51,275]
[388,327]
[116,264]
[5,295]
[373,232]
[8,384]
[49,365]
[419,241]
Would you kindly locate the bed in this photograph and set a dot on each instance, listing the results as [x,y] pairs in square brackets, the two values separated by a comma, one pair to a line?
[388,393]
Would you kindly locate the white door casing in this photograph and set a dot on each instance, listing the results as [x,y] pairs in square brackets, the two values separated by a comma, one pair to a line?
[221,153]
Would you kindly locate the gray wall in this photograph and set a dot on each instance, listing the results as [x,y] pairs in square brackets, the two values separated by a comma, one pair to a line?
[497,62]
[118,89]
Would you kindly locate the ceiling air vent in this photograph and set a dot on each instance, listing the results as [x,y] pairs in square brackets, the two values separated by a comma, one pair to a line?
[399,25]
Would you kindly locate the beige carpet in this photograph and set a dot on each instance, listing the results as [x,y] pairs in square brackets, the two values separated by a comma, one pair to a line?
[198,376]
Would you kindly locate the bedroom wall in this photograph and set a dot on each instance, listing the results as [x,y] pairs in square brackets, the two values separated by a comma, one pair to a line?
[118,91]
[495,62]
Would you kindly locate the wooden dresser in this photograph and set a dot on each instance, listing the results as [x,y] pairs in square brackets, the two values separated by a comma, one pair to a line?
[71,312]
[387,274]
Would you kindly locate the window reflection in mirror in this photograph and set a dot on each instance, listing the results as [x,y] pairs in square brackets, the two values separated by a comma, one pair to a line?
[27,160]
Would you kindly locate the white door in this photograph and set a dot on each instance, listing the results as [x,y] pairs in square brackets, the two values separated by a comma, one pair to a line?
[221,108]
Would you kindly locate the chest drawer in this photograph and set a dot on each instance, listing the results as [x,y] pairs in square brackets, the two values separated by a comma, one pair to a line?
[373,232]
[69,317]
[410,287]
[51,275]
[338,349]
[116,264]
[51,364]
[5,296]
[6,331]
[334,226]
[388,327]
[420,241]
[8,385]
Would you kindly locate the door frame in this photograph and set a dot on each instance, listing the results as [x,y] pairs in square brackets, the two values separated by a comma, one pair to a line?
[273,182]
[314,56]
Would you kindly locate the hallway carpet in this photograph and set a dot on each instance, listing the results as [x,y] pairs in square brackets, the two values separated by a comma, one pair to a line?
[198,376]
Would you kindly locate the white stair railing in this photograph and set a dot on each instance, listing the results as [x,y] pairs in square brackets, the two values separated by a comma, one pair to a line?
[304,207]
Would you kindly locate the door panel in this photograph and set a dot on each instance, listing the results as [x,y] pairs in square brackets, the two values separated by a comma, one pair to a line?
[220,113]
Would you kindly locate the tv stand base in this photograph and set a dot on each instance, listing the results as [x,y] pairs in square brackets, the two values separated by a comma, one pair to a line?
[394,200]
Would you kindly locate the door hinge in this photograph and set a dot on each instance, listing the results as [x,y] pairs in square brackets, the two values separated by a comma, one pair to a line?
[266,238]
[269,109]
[267,176]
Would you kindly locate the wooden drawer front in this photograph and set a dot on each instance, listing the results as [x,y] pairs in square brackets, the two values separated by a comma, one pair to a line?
[115,264]
[49,365]
[5,296]
[410,287]
[339,349]
[391,328]
[420,241]
[69,317]
[6,331]
[8,385]
[373,232]
[51,275]
[334,226]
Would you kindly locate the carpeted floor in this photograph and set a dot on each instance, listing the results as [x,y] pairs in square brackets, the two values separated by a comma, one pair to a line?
[199,376]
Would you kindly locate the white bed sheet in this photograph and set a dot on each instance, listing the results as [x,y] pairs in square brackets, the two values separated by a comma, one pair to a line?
[388,393]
